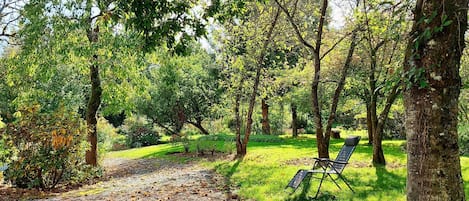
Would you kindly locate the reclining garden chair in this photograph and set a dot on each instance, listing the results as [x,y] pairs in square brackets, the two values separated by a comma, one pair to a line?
[326,166]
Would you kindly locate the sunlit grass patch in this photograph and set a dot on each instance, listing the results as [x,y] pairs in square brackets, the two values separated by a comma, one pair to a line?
[270,163]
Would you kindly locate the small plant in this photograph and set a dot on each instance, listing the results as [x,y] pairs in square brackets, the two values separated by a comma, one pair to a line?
[46,147]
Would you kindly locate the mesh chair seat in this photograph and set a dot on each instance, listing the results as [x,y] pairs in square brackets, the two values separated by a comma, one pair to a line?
[328,167]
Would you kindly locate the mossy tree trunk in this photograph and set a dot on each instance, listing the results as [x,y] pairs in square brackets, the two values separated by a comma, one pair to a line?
[431,100]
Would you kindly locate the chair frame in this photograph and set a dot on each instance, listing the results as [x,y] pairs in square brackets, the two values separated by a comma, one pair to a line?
[327,167]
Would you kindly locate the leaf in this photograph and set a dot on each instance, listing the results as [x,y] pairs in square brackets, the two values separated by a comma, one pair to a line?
[447,23]
[423,84]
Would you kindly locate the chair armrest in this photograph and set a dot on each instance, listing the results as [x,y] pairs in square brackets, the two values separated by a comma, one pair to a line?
[322,159]
[340,162]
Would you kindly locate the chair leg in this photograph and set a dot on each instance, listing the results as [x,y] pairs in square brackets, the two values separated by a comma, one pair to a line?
[346,183]
[320,183]
[330,176]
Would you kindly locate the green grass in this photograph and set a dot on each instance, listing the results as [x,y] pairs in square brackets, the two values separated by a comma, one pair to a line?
[272,161]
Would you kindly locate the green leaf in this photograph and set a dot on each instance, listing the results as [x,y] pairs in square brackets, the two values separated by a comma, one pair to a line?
[447,23]
[423,84]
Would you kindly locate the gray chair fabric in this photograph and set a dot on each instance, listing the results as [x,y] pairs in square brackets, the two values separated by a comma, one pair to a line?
[328,167]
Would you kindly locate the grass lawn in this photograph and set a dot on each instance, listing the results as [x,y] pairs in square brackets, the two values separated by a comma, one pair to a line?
[272,161]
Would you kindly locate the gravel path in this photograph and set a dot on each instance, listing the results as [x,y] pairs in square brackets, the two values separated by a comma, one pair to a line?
[153,179]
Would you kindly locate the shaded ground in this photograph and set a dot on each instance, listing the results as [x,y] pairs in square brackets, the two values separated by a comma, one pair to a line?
[142,179]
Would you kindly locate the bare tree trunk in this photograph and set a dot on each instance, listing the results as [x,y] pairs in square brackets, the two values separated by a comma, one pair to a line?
[265,117]
[431,100]
[93,103]
[294,120]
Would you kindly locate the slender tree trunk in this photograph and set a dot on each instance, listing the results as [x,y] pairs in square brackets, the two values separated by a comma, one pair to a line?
[369,124]
[265,117]
[378,155]
[340,85]
[321,137]
[294,120]
[240,151]
[93,103]
[433,165]
[255,87]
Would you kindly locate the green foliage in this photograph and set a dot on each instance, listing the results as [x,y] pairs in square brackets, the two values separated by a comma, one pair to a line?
[463,138]
[183,90]
[108,137]
[46,148]
[139,132]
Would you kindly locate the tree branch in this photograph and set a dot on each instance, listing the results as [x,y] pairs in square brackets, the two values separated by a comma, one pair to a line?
[338,42]
[295,27]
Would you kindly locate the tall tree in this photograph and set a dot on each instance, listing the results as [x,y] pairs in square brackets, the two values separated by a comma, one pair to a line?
[384,26]
[81,33]
[322,136]
[433,84]
[241,144]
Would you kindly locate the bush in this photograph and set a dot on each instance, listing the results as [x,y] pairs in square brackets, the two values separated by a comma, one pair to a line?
[139,132]
[108,138]
[45,148]
[463,140]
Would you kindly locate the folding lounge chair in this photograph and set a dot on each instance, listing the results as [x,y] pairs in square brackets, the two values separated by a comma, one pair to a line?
[325,166]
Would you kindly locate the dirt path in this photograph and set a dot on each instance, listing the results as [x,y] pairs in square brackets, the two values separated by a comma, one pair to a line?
[153,179]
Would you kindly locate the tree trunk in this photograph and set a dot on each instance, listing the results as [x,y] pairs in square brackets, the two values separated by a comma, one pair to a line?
[369,124]
[252,98]
[378,155]
[265,117]
[340,85]
[431,100]
[93,103]
[180,118]
[294,121]
[322,140]
[240,151]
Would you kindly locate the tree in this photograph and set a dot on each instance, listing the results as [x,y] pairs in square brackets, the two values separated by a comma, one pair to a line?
[384,26]
[432,82]
[322,136]
[182,89]
[82,35]
[241,144]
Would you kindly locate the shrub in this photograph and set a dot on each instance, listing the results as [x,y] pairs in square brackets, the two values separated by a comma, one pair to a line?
[139,132]
[45,148]
[108,138]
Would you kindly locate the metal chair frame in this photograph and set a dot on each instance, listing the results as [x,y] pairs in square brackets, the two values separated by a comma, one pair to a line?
[328,167]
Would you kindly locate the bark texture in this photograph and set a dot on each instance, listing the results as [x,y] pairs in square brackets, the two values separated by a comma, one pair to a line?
[434,170]
[294,121]
[265,117]
[93,103]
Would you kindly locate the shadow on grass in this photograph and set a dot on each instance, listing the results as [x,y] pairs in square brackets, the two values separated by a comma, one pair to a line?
[306,187]
[385,181]
[227,176]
